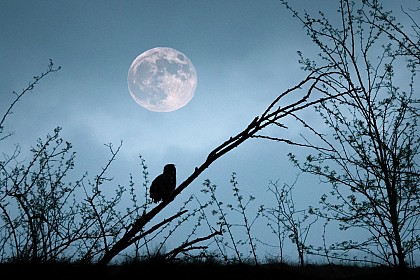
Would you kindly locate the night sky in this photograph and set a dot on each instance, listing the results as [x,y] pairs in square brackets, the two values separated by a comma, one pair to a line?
[244,52]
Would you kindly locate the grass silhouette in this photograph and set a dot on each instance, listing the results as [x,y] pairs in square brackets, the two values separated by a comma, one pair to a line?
[198,270]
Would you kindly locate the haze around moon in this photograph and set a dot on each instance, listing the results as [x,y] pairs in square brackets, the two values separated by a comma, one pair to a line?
[162,79]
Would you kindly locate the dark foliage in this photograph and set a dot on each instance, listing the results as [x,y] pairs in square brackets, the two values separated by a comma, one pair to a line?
[184,270]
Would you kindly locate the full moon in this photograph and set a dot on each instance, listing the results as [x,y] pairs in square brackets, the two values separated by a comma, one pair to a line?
[162,79]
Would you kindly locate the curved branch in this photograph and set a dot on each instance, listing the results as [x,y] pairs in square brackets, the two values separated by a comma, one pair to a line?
[258,123]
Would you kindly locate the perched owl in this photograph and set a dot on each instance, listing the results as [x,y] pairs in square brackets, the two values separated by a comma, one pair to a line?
[163,185]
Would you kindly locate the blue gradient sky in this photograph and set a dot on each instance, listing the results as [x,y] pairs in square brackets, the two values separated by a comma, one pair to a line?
[244,53]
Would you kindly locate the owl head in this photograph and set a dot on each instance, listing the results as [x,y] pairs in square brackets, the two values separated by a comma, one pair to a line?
[169,168]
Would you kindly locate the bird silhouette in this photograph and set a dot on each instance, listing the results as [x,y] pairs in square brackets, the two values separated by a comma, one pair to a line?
[163,185]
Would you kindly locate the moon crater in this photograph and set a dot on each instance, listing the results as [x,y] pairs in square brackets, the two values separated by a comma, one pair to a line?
[162,79]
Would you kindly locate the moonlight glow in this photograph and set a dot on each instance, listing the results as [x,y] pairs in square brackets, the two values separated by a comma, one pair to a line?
[162,79]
